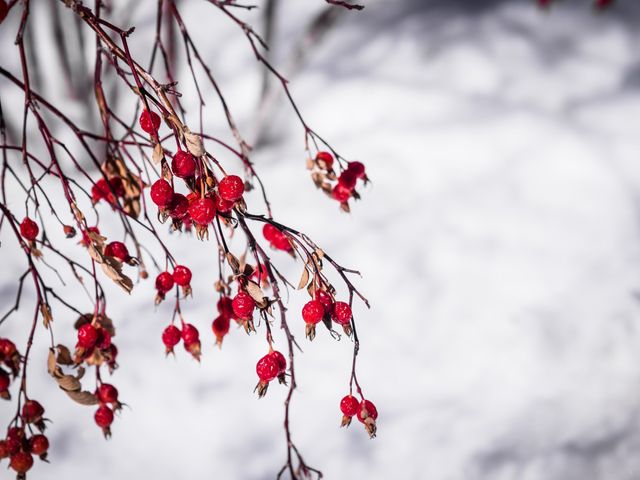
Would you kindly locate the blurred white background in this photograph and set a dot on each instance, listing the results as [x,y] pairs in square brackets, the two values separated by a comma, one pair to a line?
[499,244]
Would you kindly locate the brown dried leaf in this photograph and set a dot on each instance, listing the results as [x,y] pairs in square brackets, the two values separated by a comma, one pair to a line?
[310,164]
[46,314]
[194,142]
[52,366]
[113,269]
[257,294]
[69,383]
[64,355]
[83,397]
[158,153]
[304,279]
[233,262]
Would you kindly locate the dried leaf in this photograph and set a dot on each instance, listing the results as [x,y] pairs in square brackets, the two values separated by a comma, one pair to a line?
[304,279]
[158,153]
[46,314]
[69,383]
[51,362]
[83,397]
[257,294]
[194,143]
[233,262]
[113,269]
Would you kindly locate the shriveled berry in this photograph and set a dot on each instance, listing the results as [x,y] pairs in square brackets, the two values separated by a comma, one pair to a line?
[267,368]
[87,336]
[103,416]
[357,169]
[118,250]
[171,337]
[178,206]
[29,229]
[340,193]
[104,339]
[312,312]
[231,188]
[190,334]
[349,405]
[161,193]
[107,393]
[202,211]
[149,121]
[341,313]
[280,360]
[243,305]
[164,282]
[39,444]
[326,158]
[183,164]
[367,409]
[182,275]
[21,462]
[32,411]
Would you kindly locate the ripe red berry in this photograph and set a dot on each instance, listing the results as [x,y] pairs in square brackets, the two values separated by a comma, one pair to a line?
[5,381]
[270,232]
[357,169]
[267,368]
[87,336]
[225,307]
[202,211]
[190,334]
[348,179]
[182,275]
[39,444]
[107,190]
[171,337]
[222,205]
[280,360]
[107,393]
[231,188]
[161,193]
[21,462]
[178,206]
[281,242]
[312,312]
[164,282]
[326,158]
[183,164]
[325,299]
[4,449]
[117,250]
[220,327]
[349,405]
[243,305]
[29,229]
[32,411]
[341,313]
[103,416]
[104,339]
[149,121]
[341,193]
[7,348]
[367,409]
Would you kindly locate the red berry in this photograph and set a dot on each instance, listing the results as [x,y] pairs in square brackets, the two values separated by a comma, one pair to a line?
[220,326]
[225,307]
[29,229]
[356,168]
[222,205]
[149,121]
[171,336]
[7,348]
[325,157]
[183,164]
[349,405]
[87,336]
[231,188]
[86,240]
[341,193]
[103,416]
[21,462]
[104,339]
[15,433]
[270,232]
[348,179]
[161,193]
[280,360]
[178,206]
[164,282]
[190,334]
[267,368]
[341,313]
[39,444]
[5,381]
[312,312]
[117,250]
[4,449]
[325,299]
[281,242]
[202,211]
[182,275]
[243,305]
[107,190]
[32,411]
[367,409]
[107,393]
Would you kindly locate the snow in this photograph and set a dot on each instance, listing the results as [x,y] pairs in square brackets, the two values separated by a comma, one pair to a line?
[498,244]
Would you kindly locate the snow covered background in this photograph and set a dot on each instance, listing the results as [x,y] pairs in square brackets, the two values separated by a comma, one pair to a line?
[499,242]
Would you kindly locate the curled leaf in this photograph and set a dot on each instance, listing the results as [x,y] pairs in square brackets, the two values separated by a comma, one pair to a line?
[83,397]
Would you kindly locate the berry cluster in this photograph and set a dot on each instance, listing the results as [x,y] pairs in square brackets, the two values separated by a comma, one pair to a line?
[165,281]
[107,396]
[342,186]
[272,365]
[365,411]
[323,308]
